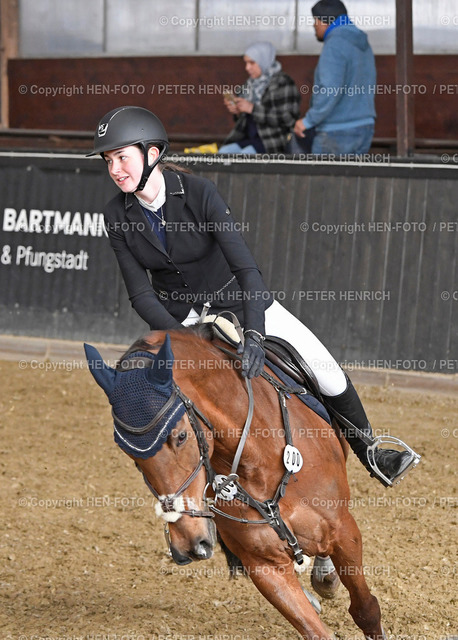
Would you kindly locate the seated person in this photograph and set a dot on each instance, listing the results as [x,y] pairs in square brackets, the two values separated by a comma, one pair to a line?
[267,107]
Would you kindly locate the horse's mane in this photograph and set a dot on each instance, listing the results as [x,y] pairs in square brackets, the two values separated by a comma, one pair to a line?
[202,330]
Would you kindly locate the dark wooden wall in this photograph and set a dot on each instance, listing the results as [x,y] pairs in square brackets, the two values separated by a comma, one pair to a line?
[181,91]
[365,256]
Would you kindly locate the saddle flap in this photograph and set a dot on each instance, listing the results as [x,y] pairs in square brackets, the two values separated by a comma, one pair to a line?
[288,359]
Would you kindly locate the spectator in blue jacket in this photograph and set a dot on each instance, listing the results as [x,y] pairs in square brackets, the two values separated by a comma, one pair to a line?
[342,108]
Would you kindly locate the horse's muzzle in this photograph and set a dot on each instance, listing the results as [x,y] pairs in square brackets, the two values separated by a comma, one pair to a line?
[201,550]
[178,558]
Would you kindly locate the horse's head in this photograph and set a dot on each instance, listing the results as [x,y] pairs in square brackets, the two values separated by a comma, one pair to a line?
[152,426]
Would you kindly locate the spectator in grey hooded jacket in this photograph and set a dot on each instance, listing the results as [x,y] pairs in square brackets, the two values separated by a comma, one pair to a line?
[342,108]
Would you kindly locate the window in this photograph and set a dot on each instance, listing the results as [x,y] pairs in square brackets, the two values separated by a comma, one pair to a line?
[57,28]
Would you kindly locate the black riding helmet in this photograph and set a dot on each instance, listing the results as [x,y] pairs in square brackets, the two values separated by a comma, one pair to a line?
[125,126]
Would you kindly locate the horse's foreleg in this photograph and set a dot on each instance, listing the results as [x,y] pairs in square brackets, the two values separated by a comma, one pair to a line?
[347,558]
[278,583]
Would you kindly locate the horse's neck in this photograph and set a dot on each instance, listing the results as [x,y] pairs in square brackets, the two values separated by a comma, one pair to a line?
[227,408]
[220,394]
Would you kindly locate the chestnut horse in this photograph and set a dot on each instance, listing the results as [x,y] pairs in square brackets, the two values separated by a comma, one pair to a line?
[206,396]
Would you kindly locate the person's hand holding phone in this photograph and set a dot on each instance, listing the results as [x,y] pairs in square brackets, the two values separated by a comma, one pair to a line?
[230,100]
[244,106]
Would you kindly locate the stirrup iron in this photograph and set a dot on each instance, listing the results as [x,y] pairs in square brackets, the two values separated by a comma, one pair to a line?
[396,441]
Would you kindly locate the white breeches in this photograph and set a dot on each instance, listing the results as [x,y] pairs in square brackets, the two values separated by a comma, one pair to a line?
[282,324]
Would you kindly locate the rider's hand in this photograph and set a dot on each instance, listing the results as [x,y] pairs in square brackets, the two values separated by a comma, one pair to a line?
[253,356]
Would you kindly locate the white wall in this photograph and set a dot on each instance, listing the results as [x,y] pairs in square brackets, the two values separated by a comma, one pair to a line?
[76,28]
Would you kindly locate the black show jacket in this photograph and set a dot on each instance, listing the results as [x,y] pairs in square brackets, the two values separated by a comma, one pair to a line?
[206,258]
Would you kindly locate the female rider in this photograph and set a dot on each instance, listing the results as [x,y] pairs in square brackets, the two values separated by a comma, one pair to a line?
[178,247]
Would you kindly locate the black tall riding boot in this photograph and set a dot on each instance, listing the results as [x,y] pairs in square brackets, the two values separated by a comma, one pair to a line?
[391,463]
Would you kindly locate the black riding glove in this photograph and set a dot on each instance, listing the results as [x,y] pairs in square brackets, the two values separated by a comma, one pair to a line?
[253,355]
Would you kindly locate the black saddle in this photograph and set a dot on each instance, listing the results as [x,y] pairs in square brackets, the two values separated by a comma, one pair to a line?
[281,354]
[285,357]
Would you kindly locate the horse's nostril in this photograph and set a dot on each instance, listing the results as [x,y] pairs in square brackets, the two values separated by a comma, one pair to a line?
[203,550]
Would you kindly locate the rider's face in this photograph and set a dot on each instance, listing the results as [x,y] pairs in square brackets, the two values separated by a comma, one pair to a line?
[125,167]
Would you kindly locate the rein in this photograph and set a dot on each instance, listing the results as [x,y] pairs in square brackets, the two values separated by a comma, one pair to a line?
[269,509]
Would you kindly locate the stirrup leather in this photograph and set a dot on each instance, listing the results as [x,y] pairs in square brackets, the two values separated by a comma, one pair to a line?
[396,441]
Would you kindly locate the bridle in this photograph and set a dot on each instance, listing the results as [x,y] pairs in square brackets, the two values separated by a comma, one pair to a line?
[269,509]
[168,503]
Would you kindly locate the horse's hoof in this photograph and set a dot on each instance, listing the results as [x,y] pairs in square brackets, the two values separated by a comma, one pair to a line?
[313,601]
[328,587]
[324,578]
[383,636]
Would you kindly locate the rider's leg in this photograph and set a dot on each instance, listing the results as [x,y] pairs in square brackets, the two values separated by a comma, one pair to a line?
[339,391]
[393,464]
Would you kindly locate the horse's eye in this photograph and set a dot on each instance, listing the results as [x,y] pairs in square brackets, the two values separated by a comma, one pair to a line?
[182,437]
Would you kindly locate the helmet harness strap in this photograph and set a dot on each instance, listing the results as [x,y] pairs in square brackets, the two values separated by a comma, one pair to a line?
[148,168]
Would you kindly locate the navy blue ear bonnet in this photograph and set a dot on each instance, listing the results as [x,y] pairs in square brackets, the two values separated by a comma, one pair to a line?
[138,390]
[136,399]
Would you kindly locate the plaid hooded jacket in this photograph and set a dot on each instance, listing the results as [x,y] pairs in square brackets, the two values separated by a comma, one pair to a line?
[274,116]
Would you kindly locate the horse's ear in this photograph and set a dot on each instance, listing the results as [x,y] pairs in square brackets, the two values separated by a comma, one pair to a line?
[161,371]
[104,375]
